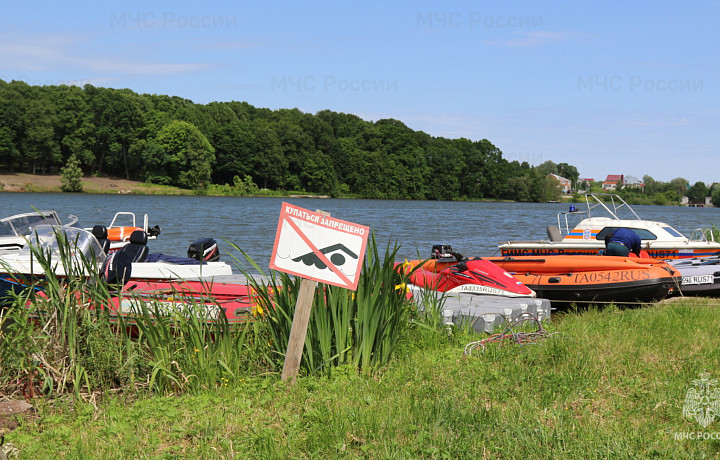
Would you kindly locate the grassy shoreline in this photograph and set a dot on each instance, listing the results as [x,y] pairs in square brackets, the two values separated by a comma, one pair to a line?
[610,384]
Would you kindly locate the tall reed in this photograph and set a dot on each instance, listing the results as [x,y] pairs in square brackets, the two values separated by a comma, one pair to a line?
[53,321]
[361,328]
[59,333]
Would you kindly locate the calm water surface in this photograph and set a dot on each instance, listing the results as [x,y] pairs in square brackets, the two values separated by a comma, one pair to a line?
[473,229]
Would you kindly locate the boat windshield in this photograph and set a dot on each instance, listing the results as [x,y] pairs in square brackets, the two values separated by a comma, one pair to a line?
[641,232]
[673,232]
[49,239]
[22,224]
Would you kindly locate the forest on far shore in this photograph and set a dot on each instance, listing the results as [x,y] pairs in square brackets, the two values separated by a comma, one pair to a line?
[235,148]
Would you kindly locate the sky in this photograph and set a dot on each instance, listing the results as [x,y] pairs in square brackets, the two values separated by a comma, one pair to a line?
[609,87]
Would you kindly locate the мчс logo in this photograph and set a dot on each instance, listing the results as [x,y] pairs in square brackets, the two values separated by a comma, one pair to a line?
[702,400]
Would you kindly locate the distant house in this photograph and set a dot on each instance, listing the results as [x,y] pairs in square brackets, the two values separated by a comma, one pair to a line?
[585,182]
[564,184]
[612,180]
[633,182]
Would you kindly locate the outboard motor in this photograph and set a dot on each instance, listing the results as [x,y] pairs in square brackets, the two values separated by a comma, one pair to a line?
[444,253]
[204,250]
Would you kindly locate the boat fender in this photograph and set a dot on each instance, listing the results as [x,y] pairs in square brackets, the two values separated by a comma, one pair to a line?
[117,268]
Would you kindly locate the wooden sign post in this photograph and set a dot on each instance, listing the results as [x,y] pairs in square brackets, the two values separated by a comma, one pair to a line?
[298,332]
[317,248]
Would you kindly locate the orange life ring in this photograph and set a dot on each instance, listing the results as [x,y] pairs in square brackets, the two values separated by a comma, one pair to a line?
[120,233]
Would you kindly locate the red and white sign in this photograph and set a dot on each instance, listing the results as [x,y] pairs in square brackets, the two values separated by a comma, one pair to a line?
[315,246]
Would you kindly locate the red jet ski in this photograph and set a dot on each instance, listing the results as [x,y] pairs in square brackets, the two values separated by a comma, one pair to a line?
[448,272]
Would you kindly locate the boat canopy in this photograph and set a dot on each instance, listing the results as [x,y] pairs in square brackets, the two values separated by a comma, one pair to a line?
[53,241]
[22,224]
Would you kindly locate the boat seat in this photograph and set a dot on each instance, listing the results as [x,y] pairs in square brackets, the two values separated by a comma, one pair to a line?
[553,232]
[136,249]
[101,235]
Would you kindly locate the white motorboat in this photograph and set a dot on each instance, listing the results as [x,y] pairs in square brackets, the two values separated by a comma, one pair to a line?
[581,232]
[67,251]
[16,229]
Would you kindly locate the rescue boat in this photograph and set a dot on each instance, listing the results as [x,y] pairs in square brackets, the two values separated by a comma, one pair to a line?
[582,232]
[593,279]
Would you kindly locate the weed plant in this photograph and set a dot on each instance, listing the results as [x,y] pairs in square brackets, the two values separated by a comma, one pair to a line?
[60,334]
[361,329]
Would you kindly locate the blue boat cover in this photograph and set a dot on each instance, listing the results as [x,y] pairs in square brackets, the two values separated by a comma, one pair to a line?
[171,259]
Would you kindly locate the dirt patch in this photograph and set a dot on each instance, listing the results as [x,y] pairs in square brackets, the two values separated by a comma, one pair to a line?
[22,182]
[9,411]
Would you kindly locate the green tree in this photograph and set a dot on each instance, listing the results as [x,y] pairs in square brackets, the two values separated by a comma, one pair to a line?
[40,146]
[118,117]
[519,188]
[318,174]
[234,146]
[548,167]
[267,160]
[74,130]
[698,192]
[8,150]
[679,185]
[71,178]
[181,155]
[446,168]
[715,195]
[13,108]
[570,173]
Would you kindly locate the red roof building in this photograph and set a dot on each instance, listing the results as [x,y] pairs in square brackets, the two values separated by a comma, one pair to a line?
[612,181]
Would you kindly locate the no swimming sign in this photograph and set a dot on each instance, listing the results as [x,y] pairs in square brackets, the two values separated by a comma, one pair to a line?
[319,247]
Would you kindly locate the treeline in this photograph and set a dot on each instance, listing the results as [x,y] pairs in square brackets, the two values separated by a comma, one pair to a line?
[662,193]
[170,140]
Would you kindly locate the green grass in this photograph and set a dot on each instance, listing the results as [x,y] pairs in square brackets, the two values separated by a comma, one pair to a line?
[379,380]
[610,384]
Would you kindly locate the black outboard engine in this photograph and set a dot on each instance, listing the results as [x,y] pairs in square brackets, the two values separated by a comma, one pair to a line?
[444,253]
[204,250]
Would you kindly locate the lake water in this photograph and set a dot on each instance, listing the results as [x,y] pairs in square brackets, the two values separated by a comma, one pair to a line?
[472,228]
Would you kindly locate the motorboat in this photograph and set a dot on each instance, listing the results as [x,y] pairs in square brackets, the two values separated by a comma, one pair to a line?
[208,301]
[179,300]
[583,233]
[73,251]
[16,229]
[700,276]
[593,279]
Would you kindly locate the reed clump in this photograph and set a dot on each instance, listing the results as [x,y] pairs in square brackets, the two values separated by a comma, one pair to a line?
[59,334]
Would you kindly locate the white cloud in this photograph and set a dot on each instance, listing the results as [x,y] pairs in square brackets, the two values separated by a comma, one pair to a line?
[63,53]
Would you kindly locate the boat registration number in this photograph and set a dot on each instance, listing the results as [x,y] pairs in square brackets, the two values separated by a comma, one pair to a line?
[138,307]
[699,279]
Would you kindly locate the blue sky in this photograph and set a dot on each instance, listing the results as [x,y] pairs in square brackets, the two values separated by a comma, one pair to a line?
[610,87]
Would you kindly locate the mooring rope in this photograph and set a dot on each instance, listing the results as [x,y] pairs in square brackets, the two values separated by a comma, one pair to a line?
[521,338]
